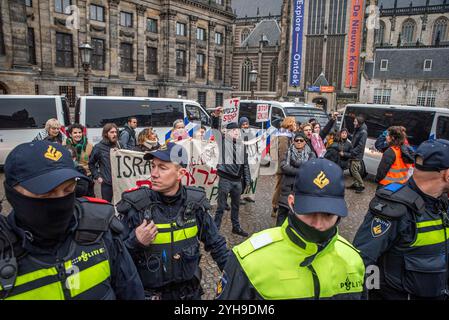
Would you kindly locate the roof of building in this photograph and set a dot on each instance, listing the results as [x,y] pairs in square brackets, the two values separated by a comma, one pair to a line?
[408,63]
[267,30]
[321,81]
[406,3]
[254,8]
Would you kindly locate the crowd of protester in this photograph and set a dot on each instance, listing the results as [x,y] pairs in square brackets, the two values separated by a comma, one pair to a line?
[297,143]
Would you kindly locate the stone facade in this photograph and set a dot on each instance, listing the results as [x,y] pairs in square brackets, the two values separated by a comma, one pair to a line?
[20,76]
[404,53]
[261,53]
[324,50]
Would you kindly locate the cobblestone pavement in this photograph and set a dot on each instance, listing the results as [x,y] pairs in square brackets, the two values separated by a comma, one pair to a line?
[256,216]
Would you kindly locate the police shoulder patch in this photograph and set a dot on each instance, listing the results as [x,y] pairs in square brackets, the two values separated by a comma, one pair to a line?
[221,285]
[379,227]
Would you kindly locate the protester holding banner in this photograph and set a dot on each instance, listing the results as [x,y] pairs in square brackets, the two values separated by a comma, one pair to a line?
[165,224]
[232,169]
[100,161]
[284,136]
[147,141]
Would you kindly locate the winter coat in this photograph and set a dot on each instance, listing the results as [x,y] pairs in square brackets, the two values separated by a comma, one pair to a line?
[238,171]
[100,161]
[43,135]
[358,142]
[289,168]
[127,138]
[83,151]
[284,141]
[333,153]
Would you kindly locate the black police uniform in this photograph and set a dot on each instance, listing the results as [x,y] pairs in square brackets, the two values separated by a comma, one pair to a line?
[91,263]
[169,267]
[406,234]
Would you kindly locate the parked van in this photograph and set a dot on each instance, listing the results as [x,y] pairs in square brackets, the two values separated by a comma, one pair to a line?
[159,113]
[422,123]
[23,116]
[279,110]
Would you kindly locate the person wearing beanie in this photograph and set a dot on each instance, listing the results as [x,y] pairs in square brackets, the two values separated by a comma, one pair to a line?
[233,172]
[244,123]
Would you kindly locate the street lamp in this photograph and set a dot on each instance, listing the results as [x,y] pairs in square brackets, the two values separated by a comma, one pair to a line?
[86,56]
[252,79]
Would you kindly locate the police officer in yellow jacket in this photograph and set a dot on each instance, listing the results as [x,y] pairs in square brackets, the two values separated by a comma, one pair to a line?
[56,247]
[165,225]
[305,258]
[406,230]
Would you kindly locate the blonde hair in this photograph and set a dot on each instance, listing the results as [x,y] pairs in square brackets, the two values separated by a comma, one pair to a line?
[288,123]
[52,123]
[304,125]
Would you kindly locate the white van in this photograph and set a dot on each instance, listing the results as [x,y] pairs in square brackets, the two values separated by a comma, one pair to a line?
[159,113]
[279,110]
[23,116]
[422,123]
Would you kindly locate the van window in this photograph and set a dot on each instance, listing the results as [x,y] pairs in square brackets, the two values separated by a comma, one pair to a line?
[196,114]
[23,113]
[249,110]
[277,116]
[443,128]
[417,123]
[304,114]
[148,113]
[164,113]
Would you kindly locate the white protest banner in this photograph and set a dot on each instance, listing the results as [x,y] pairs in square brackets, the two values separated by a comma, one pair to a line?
[130,170]
[262,113]
[231,109]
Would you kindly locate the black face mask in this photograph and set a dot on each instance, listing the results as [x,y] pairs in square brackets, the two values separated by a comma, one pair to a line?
[311,234]
[46,219]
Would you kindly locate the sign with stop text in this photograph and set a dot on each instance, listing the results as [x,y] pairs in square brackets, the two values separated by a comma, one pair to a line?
[231,108]
[262,113]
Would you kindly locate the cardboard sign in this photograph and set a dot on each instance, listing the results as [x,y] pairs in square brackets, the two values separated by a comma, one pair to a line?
[231,108]
[262,113]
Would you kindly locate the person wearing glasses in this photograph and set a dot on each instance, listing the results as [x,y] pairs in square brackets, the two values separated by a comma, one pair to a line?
[298,153]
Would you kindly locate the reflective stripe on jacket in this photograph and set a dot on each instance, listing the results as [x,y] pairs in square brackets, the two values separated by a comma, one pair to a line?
[398,172]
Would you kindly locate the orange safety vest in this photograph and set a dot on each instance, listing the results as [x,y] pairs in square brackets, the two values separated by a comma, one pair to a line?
[398,172]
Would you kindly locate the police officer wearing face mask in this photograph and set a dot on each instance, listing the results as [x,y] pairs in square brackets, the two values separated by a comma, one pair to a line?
[166,224]
[305,258]
[406,230]
[56,247]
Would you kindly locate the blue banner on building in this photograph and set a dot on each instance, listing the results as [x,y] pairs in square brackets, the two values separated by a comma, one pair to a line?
[296,50]
[313,89]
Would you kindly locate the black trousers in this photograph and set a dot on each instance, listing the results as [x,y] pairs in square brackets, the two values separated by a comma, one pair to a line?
[106,192]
